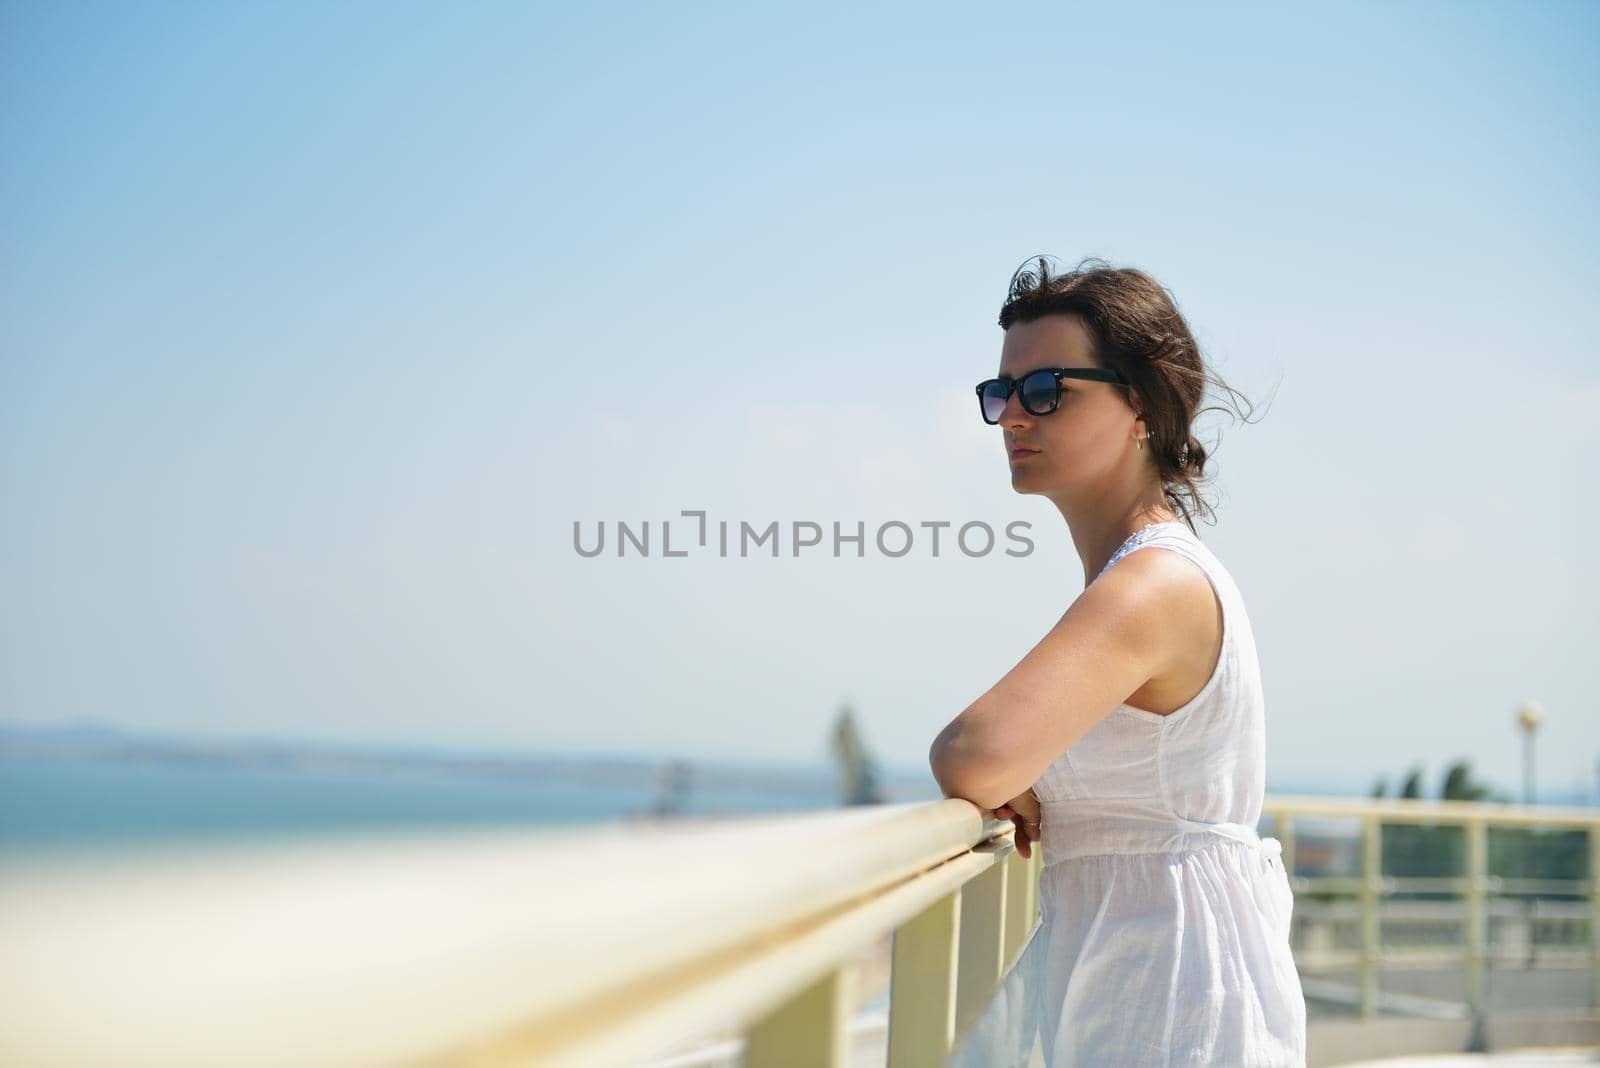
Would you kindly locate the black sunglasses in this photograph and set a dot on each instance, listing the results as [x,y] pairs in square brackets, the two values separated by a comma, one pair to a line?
[1039,391]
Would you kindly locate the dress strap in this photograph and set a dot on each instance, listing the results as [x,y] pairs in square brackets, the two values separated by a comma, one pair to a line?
[1170,530]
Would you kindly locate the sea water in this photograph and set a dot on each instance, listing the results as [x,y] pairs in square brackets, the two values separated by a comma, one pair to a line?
[51,804]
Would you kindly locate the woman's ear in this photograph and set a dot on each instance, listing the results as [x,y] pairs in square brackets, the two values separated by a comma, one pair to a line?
[1136,402]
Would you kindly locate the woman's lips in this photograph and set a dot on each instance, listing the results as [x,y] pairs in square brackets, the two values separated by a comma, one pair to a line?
[1018,454]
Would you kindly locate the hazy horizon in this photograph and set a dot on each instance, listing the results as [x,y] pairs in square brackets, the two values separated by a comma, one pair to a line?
[1432,779]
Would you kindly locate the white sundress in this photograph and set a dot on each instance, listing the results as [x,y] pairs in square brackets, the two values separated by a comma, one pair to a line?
[1163,936]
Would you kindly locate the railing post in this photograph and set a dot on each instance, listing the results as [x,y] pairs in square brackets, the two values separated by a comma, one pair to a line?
[1477,912]
[1594,915]
[1371,917]
[1283,827]
[922,986]
[1020,903]
[980,959]
[1038,874]
[812,1028]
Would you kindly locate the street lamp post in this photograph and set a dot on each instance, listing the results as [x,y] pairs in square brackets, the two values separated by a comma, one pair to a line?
[1529,717]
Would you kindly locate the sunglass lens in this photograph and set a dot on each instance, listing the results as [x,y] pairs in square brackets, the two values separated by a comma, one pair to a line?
[1040,392]
[994,400]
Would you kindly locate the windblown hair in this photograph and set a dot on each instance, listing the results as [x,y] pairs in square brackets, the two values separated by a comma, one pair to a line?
[1138,330]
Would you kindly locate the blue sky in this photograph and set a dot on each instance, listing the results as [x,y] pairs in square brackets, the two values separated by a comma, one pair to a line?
[320,326]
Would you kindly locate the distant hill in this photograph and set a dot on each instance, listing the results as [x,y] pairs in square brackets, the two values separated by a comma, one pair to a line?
[91,740]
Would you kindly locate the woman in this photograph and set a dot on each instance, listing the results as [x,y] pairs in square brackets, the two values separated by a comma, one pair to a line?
[1129,742]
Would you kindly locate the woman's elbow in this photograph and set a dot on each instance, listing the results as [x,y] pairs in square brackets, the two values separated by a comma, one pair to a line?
[959,775]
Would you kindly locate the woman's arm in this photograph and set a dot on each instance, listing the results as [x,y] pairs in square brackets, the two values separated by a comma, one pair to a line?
[1117,635]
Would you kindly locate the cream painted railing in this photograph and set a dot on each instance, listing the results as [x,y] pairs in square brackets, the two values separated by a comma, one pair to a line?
[595,947]
[488,949]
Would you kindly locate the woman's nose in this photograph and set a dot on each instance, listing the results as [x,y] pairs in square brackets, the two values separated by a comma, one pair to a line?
[1014,414]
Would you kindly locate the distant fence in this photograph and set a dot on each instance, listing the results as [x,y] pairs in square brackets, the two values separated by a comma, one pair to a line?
[1469,898]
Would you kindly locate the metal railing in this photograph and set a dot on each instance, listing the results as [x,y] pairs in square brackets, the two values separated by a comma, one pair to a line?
[608,944]
[537,948]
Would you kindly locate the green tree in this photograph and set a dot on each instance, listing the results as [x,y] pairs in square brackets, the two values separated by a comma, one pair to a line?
[858,769]
[1518,852]
[1424,850]
[1458,784]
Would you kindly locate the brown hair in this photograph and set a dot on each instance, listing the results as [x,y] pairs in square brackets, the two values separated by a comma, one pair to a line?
[1137,330]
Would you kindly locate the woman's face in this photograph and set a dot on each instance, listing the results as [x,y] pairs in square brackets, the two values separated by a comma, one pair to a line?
[1091,432]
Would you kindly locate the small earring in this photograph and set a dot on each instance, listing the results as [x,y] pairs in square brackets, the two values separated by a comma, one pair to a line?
[1140,441]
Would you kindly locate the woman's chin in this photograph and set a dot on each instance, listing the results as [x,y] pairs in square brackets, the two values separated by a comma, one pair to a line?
[1025,478]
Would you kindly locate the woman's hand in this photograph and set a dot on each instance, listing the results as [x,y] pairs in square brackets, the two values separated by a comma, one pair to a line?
[1022,810]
